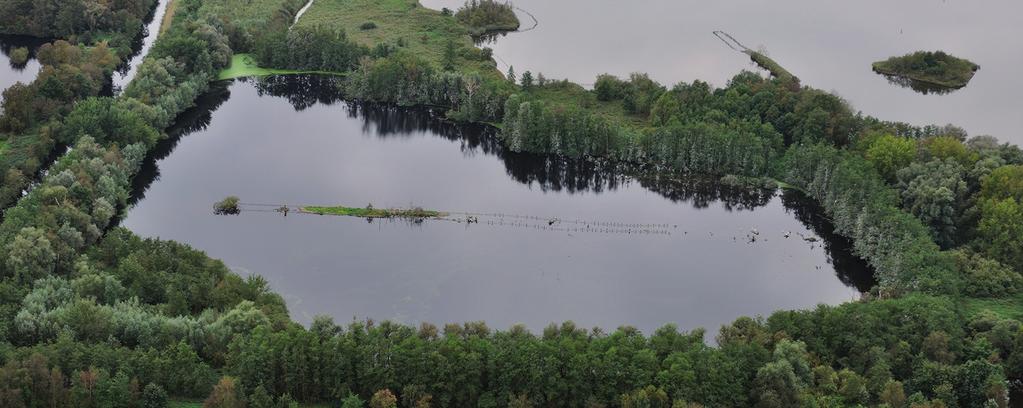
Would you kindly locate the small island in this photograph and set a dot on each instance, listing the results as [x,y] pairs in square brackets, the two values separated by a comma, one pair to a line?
[488,16]
[925,69]
[370,212]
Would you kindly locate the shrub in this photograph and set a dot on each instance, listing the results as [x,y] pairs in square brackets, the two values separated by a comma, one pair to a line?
[19,55]
[227,206]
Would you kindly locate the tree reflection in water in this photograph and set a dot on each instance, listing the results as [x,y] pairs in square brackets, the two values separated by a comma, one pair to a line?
[550,174]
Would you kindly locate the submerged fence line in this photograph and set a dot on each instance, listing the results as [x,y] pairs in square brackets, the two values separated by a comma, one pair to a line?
[501,219]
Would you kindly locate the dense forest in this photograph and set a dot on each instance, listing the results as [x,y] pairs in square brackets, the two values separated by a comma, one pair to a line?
[117,23]
[93,316]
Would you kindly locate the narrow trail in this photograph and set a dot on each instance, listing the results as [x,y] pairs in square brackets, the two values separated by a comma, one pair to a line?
[300,13]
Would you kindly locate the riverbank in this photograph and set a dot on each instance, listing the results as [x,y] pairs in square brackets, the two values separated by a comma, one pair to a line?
[244,65]
[168,15]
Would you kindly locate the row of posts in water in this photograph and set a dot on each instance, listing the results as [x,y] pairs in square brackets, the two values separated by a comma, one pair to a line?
[554,225]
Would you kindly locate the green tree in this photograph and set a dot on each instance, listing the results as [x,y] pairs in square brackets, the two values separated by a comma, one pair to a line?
[647,397]
[352,401]
[383,399]
[1000,229]
[935,193]
[949,147]
[893,394]
[260,398]
[890,153]
[153,396]
[1004,182]
[30,255]
[776,386]
[450,54]
[225,395]
[526,80]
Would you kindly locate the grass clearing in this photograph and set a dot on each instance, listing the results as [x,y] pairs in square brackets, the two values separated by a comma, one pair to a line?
[250,14]
[168,16]
[570,94]
[244,65]
[1010,307]
[424,32]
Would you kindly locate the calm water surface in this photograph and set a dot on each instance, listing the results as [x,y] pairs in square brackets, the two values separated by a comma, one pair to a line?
[283,142]
[829,45]
[123,76]
[11,73]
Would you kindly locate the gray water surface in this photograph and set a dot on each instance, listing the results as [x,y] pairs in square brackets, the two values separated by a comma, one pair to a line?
[11,73]
[303,147]
[829,45]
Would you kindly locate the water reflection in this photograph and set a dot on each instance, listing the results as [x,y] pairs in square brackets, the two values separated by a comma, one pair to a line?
[193,120]
[925,88]
[549,174]
[12,72]
[829,45]
[851,269]
[327,149]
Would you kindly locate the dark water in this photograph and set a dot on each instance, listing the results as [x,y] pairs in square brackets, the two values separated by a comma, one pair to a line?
[829,45]
[298,145]
[141,47]
[11,73]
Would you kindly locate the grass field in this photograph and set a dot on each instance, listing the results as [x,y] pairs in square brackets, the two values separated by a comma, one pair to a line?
[425,32]
[168,16]
[250,14]
[1008,307]
[243,65]
[570,94]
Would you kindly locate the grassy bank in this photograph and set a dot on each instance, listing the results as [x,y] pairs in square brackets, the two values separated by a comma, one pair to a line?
[370,212]
[243,65]
[771,66]
[168,15]
[934,68]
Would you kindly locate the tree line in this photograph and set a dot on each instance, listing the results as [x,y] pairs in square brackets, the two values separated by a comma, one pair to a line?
[101,319]
[117,23]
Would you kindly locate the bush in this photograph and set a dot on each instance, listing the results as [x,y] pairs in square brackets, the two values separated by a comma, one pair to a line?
[19,56]
[153,396]
[227,206]
[984,277]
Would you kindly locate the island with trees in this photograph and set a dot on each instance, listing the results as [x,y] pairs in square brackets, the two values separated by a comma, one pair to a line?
[488,16]
[936,69]
[93,315]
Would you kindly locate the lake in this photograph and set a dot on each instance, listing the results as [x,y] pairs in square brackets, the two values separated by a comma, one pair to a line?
[573,241]
[829,45]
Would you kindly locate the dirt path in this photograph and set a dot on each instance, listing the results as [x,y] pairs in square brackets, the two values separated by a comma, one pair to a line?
[301,12]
